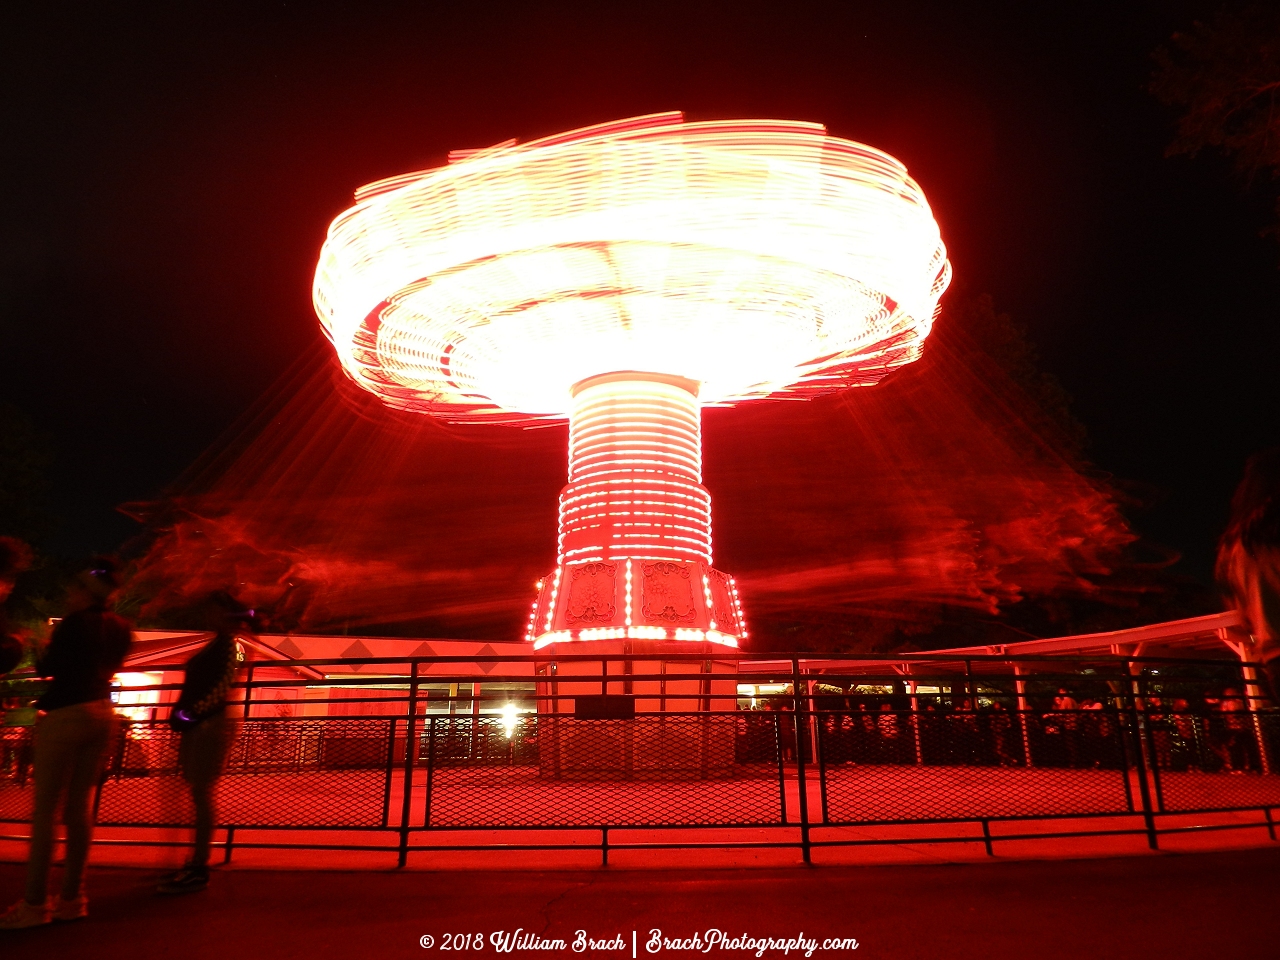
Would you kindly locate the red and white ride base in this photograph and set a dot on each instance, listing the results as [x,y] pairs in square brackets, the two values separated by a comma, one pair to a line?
[635,522]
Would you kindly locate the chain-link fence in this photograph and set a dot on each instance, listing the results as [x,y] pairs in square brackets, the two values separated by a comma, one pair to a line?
[449,754]
[1217,762]
[330,772]
[899,765]
[654,770]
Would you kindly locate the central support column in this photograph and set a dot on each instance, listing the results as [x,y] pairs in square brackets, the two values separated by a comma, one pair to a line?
[634,557]
[635,472]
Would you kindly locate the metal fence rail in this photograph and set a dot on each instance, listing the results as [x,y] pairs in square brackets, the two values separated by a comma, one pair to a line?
[832,745]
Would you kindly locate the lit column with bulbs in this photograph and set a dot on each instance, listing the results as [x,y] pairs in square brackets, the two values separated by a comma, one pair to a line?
[635,522]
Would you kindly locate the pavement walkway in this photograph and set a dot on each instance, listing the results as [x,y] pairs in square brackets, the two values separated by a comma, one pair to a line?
[1216,905]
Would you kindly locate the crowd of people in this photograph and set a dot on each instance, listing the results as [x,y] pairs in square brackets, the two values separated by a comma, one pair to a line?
[1213,732]
[77,723]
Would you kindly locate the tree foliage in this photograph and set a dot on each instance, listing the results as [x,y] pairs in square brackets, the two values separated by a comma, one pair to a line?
[1224,77]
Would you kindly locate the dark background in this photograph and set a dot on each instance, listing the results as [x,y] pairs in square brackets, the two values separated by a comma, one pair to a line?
[169,173]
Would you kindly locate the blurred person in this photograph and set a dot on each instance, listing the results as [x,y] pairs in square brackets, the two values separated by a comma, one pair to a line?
[1161,729]
[1000,723]
[72,737]
[1249,560]
[200,717]
[887,721]
[15,557]
[1186,741]
[965,745]
[1232,742]
[15,743]
[1059,727]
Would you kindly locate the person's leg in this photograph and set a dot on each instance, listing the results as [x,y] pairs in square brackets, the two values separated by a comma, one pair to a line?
[98,727]
[204,754]
[54,754]
[202,798]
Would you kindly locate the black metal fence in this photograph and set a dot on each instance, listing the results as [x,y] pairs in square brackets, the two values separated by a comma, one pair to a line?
[456,760]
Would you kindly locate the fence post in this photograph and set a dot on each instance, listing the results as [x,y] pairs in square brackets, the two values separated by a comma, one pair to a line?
[802,717]
[248,689]
[431,769]
[915,718]
[1252,694]
[410,754]
[1139,760]
[475,720]
[819,757]
[1020,687]
[776,717]
[388,773]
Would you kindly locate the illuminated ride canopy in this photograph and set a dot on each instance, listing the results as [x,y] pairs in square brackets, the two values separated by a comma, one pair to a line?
[622,276]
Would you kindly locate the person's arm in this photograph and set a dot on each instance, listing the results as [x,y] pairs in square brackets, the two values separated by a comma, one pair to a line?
[208,681]
[53,658]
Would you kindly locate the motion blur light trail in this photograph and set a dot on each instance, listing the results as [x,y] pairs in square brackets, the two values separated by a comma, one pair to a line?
[623,275]
[753,257]
[852,515]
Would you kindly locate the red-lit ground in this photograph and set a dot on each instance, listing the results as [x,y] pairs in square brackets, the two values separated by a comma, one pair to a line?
[1218,905]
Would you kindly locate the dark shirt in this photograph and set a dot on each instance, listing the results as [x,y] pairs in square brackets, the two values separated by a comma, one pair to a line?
[86,650]
[208,679]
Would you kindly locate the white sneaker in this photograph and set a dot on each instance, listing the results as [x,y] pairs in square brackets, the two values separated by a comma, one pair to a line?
[77,908]
[23,914]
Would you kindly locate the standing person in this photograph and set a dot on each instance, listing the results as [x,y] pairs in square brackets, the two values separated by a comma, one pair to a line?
[1059,726]
[1185,740]
[15,744]
[86,649]
[966,747]
[1234,745]
[15,556]
[1249,560]
[1001,725]
[888,724]
[200,717]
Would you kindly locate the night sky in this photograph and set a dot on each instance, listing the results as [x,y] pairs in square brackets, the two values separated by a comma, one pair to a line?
[169,175]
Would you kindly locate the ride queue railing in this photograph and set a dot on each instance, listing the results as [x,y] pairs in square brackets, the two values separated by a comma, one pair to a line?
[606,745]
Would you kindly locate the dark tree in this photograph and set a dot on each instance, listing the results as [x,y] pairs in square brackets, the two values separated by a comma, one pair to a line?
[1224,77]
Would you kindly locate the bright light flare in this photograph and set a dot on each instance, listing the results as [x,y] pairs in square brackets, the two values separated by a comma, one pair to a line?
[510,717]
[753,257]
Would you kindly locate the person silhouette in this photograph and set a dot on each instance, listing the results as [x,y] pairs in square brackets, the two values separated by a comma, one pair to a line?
[86,649]
[15,557]
[1249,560]
[200,717]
